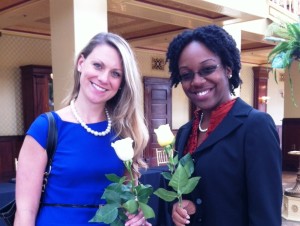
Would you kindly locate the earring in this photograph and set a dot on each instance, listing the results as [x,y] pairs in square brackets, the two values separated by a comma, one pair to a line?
[230,76]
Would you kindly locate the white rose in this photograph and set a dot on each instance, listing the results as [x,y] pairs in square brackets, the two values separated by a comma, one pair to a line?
[123,149]
[164,135]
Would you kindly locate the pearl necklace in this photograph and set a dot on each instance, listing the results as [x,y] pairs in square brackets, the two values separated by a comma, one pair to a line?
[202,130]
[88,129]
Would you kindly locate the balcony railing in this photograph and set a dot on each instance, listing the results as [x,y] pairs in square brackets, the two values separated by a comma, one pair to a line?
[290,5]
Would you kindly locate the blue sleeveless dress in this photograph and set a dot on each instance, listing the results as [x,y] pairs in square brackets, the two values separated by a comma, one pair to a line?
[78,171]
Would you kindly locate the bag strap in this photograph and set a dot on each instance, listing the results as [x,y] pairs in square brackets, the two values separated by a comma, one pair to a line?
[51,146]
[51,140]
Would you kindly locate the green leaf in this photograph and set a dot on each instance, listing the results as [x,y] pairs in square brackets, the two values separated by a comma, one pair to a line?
[147,210]
[294,31]
[144,192]
[167,175]
[281,47]
[188,164]
[190,186]
[126,187]
[292,90]
[114,178]
[278,61]
[175,159]
[117,222]
[112,193]
[106,214]
[125,196]
[166,195]
[179,179]
[122,215]
[131,206]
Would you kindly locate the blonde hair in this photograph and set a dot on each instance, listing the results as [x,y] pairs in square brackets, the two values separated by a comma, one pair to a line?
[125,107]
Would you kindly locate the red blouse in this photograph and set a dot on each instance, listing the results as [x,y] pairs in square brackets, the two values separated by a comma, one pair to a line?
[216,117]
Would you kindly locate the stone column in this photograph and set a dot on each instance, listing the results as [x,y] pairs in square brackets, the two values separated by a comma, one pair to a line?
[73,23]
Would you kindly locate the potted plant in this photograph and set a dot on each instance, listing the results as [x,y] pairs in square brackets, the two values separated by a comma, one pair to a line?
[287,50]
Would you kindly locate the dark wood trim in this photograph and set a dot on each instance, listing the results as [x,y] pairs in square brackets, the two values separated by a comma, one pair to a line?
[9,150]
[290,141]
[261,76]
[35,91]
[157,110]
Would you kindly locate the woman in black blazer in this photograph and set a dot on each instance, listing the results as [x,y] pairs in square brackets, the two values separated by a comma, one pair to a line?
[234,146]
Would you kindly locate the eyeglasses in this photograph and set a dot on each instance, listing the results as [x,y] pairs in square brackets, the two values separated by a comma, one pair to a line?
[188,76]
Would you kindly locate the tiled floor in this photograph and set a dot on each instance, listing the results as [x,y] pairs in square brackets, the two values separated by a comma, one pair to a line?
[288,181]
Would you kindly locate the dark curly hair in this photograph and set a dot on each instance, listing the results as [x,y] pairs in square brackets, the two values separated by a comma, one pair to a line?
[217,40]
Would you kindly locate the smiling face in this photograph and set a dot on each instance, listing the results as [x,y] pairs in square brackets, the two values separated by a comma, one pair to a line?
[101,74]
[205,80]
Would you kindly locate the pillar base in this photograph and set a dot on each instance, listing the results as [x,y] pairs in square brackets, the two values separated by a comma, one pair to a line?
[291,208]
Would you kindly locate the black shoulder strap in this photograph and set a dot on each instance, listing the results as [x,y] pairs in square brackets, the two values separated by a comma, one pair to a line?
[52,139]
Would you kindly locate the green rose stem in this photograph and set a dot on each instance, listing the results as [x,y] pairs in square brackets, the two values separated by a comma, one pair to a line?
[180,171]
[180,201]
[128,165]
[122,196]
[171,165]
[169,151]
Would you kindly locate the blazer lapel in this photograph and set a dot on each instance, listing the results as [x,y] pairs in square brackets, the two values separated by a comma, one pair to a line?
[235,118]
[229,124]
[183,138]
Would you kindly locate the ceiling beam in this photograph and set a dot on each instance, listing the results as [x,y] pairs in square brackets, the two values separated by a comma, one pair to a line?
[231,13]
[254,37]
[154,39]
[157,13]
[258,50]
[27,12]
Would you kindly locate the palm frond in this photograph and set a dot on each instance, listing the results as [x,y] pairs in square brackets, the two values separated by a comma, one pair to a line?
[277,30]
[281,47]
[285,52]
[294,31]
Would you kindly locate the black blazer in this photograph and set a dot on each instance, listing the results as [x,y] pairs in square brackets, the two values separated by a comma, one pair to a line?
[240,169]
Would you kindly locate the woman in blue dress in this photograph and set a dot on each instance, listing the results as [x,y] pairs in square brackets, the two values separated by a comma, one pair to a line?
[103,106]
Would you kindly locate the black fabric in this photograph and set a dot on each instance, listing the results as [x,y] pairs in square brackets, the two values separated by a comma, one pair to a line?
[7,213]
[70,205]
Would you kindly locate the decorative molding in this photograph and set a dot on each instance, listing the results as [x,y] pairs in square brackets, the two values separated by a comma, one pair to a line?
[158,63]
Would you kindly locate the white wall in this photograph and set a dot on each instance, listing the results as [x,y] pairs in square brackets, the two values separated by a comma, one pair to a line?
[276,102]
[180,104]
[290,110]
[16,51]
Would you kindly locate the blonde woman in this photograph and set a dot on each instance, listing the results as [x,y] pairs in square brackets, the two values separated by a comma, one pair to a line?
[103,107]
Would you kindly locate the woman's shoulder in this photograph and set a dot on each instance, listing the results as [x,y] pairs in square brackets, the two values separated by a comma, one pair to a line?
[38,129]
[65,114]
[253,115]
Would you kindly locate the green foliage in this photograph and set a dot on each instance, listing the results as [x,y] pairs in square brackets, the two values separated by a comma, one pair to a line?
[166,195]
[286,51]
[179,177]
[122,198]
[107,213]
[147,210]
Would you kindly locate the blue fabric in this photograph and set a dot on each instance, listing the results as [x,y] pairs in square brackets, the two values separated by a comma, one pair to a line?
[240,168]
[78,171]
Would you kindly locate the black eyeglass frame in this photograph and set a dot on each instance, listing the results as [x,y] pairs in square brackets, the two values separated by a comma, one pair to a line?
[203,72]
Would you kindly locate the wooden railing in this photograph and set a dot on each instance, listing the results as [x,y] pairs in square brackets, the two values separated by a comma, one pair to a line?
[291,5]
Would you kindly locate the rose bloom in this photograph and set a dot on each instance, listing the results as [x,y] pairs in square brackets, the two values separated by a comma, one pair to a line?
[123,148]
[164,135]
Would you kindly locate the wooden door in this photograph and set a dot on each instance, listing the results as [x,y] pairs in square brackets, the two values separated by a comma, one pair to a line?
[35,92]
[158,111]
